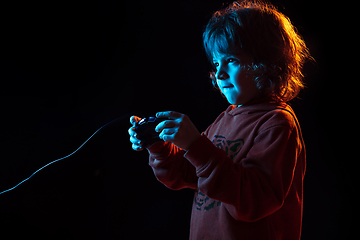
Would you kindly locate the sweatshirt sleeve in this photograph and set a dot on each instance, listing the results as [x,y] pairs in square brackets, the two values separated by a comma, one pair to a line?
[170,167]
[256,185]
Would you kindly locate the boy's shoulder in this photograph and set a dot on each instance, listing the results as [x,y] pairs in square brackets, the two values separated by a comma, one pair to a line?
[282,115]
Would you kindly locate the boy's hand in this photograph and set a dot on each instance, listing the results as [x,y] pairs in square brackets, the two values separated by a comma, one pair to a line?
[136,143]
[179,129]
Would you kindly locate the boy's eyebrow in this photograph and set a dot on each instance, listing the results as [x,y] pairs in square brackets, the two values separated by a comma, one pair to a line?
[224,56]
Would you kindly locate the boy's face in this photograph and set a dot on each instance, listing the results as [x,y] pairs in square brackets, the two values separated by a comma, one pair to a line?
[235,82]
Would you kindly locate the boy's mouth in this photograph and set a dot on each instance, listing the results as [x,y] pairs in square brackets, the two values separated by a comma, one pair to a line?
[227,86]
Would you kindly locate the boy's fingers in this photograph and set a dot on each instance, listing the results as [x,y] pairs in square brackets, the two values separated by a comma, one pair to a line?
[137,147]
[131,131]
[169,114]
[136,141]
[134,120]
[165,124]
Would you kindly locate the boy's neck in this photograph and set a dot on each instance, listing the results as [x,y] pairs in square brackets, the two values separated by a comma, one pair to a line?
[259,99]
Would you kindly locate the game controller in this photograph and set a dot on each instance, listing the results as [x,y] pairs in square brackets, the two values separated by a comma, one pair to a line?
[145,130]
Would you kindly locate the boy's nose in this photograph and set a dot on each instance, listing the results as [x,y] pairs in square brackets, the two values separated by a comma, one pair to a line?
[221,75]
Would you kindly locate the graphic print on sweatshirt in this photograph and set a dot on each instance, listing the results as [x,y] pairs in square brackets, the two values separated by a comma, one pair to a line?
[231,147]
[203,202]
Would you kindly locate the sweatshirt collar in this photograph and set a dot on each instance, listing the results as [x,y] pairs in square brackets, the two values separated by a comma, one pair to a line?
[257,105]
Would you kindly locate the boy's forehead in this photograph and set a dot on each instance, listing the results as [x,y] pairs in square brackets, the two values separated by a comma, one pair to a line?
[218,55]
[243,57]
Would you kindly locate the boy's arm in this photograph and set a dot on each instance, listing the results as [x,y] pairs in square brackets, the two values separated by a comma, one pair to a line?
[170,167]
[257,184]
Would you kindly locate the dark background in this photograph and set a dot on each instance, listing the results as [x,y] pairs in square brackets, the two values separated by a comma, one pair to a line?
[68,67]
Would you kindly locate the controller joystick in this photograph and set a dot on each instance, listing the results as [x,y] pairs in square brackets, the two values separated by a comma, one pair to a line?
[145,130]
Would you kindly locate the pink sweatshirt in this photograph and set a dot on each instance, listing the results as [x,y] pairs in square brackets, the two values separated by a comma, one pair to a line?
[247,169]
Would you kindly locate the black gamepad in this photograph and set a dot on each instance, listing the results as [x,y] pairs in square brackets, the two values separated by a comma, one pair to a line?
[145,130]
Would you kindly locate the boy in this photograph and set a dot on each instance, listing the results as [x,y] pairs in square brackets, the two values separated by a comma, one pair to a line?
[247,168]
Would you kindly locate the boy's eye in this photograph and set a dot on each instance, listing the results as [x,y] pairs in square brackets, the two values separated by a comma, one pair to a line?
[229,60]
[232,60]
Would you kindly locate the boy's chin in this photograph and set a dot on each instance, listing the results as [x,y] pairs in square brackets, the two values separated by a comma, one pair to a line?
[233,101]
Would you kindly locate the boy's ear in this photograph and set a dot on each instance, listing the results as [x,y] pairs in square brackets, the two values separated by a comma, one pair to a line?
[213,80]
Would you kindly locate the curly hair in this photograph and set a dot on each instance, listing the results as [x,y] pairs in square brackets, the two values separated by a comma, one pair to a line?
[258,29]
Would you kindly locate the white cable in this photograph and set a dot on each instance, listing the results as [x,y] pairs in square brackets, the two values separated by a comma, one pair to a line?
[65,156]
